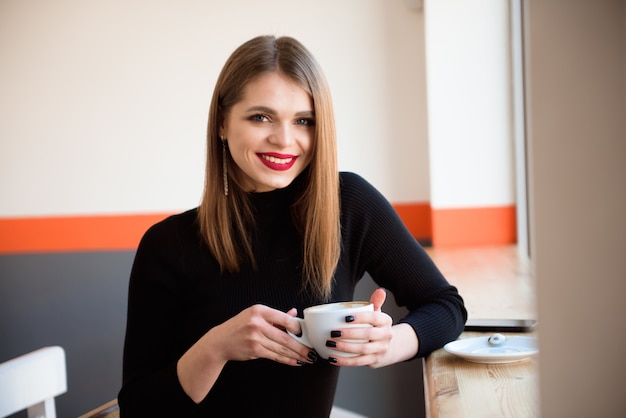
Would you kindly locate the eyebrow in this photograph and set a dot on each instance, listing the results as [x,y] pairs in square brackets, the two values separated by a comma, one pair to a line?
[269,110]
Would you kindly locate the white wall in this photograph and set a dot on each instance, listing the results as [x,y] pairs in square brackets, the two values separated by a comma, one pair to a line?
[469,103]
[104,104]
[576,56]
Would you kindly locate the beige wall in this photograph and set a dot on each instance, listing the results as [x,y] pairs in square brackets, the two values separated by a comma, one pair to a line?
[104,104]
[576,62]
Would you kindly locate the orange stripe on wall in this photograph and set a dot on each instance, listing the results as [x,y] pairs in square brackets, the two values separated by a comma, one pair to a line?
[445,227]
[474,226]
[76,233]
[123,232]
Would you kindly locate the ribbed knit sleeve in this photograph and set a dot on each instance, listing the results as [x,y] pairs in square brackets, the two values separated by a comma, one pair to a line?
[376,241]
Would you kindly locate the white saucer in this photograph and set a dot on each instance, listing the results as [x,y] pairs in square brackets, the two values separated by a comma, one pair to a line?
[478,350]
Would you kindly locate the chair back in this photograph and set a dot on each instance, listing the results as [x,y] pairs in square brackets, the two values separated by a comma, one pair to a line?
[32,381]
[108,410]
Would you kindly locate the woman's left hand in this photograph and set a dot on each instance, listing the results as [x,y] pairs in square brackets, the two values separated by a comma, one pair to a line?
[376,352]
[386,344]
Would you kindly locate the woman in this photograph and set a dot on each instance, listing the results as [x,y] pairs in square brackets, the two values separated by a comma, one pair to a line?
[213,290]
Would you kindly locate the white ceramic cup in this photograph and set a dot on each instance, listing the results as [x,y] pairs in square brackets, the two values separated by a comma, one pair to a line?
[320,320]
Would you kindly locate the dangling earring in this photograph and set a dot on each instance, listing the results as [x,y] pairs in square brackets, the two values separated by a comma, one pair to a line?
[224,166]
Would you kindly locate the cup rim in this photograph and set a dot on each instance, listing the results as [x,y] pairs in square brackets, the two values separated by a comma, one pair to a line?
[326,307]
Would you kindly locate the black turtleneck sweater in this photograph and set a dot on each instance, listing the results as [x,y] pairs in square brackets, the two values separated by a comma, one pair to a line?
[177,294]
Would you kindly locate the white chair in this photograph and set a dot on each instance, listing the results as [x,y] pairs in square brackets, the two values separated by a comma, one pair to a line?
[338,412]
[31,382]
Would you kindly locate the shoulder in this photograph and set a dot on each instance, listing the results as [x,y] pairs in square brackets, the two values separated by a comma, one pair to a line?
[349,181]
[177,221]
[172,227]
[355,187]
[350,178]
[361,200]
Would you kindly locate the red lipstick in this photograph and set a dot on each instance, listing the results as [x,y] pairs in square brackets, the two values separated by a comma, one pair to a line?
[278,162]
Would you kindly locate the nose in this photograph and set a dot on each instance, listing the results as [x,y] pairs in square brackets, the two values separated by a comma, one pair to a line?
[282,135]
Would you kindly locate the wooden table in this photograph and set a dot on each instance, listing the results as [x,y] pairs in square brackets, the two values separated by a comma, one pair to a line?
[495,283]
[458,388]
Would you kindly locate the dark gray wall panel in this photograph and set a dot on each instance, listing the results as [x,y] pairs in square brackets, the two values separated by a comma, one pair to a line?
[77,301]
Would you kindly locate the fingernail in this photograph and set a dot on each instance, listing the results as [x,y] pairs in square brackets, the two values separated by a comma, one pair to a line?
[312,356]
[299,334]
[331,344]
[300,362]
[332,359]
[349,318]
[335,334]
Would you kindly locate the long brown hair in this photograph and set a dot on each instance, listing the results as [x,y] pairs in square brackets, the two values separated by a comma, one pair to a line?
[224,218]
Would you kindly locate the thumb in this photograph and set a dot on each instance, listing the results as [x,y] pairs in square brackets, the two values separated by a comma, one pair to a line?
[293,312]
[378,298]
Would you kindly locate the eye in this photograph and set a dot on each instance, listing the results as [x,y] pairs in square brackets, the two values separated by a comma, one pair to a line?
[258,117]
[305,121]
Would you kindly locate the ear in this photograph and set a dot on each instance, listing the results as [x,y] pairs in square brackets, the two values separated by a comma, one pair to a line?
[222,133]
[223,128]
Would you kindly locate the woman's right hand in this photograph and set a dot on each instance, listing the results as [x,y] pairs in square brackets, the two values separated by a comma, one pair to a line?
[259,332]
[256,332]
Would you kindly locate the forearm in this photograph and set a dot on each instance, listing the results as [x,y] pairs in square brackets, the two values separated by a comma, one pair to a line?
[404,344]
[199,368]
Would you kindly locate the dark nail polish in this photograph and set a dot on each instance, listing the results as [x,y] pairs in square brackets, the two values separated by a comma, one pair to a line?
[332,359]
[349,318]
[331,344]
[300,363]
[335,334]
[312,356]
[299,334]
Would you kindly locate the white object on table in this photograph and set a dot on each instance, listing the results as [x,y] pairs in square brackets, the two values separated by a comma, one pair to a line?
[479,350]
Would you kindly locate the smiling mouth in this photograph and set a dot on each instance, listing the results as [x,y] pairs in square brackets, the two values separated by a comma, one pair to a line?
[277,162]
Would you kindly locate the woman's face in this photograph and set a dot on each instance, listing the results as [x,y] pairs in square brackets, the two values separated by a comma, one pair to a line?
[270,132]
